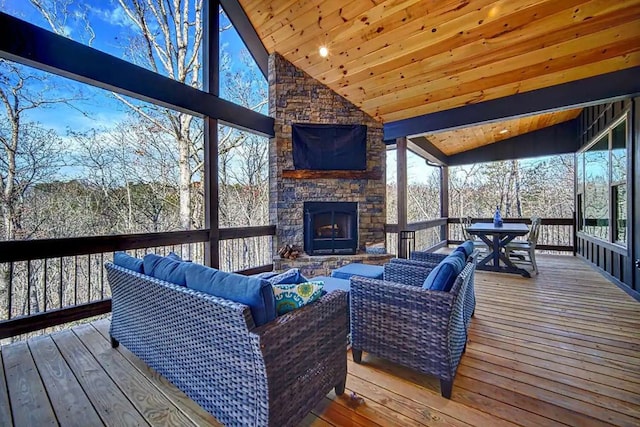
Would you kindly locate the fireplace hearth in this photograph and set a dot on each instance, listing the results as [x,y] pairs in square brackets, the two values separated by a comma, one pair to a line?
[330,228]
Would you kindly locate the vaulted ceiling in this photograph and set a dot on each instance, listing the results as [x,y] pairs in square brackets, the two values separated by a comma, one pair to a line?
[401,59]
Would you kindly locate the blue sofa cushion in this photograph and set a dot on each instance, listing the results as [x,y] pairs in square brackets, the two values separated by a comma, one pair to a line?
[125,260]
[442,277]
[467,247]
[265,275]
[289,277]
[457,259]
[165,268]
[358,269]
[174,256]
[290,297]
[252,291]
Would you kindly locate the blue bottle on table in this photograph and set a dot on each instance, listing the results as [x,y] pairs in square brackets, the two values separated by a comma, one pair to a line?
[497,218]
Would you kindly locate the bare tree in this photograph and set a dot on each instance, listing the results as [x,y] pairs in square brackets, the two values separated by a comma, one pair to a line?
[167,40]
[30,153]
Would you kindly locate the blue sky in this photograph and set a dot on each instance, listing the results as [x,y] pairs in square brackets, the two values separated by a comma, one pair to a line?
[113,30]
[98,108]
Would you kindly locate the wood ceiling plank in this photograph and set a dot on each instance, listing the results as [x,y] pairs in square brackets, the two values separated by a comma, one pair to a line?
[385,45]
[524,57]
[268,16]
[359,21]
[385,58]
[482,52]
[368,24]
[451,33]
[316,21]
[597,68]
[553,58]
[459,140]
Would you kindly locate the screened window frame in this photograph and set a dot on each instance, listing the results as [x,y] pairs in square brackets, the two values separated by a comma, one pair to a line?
[611,186]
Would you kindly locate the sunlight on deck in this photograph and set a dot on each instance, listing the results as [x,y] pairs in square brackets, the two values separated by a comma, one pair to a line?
[562,348]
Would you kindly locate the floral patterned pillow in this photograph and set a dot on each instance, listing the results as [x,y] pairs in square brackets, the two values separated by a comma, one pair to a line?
[292,296]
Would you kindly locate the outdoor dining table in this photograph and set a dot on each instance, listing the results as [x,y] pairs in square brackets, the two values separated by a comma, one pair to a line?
[497,238]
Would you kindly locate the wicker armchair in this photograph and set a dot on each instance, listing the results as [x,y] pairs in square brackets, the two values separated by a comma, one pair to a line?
[428,260]
[418,328]
[271,375]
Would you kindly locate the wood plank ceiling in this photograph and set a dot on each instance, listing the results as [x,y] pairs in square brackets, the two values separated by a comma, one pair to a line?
[459,140]
[400,59]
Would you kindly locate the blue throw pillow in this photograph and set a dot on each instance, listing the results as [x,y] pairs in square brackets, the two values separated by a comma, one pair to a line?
[127,261]
[467,247]
[292,297]
[254,292]
[458,259]
[289,277]
[441,278]
[166,269]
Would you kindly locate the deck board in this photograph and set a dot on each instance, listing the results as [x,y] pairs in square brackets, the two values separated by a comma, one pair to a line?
[5,407]
[561,348]
[65,393]
[112,404]
[29,401]
[154,407]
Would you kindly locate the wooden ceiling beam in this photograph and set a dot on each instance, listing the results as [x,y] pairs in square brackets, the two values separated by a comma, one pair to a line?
[553,140]
[579,93]
[427,150]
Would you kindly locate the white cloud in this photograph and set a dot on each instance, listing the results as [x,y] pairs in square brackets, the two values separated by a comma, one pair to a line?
[116,16]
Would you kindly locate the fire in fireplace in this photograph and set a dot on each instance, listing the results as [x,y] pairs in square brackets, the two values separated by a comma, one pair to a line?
[330,228]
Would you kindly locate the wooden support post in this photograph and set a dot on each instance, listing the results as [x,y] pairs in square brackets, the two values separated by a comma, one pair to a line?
[444,202]
[401,164]
[211,72]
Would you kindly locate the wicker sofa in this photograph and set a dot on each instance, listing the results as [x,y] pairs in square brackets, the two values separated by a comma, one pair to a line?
[398,320]
[210,348]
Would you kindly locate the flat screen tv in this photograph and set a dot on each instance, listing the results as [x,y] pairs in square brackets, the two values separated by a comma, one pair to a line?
[329,147]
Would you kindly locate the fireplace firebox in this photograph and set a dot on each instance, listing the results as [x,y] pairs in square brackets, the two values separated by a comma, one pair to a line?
[330,228]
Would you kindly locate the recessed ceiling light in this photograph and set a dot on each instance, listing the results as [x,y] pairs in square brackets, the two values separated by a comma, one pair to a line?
[324,52]
[503,131]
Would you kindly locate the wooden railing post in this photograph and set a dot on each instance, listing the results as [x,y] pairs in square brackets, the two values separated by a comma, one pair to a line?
[444,202]
[211,84]
[401,165]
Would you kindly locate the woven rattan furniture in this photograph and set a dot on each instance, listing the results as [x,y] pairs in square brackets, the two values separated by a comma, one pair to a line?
[422,329]
[272,375]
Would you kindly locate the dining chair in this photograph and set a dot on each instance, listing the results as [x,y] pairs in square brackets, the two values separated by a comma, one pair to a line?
[477,243]
[522,248]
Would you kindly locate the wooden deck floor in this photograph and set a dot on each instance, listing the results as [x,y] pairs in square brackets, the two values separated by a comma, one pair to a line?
[562,348]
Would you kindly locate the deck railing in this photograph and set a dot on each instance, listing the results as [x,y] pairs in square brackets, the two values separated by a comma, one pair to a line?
[428,235]
[44,283]
[556,234]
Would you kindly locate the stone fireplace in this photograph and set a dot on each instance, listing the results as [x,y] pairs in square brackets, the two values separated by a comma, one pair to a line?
[295,97]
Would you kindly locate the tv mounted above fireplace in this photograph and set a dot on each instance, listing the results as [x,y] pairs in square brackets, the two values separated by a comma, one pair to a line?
[329,147]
